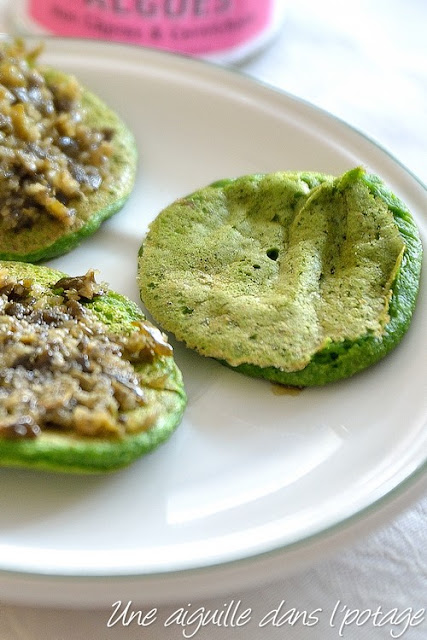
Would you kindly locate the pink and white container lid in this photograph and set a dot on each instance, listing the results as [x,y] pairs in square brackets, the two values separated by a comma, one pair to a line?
[219,30]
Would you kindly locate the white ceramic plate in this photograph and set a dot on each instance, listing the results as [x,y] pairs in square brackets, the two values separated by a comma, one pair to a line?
[252,483]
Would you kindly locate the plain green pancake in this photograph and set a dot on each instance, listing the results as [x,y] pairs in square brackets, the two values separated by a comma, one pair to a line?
[300,278]
[49,237]
[161,382]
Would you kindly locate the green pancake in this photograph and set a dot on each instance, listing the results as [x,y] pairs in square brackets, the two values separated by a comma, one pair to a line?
[300,278]
[117,414]
[44,236]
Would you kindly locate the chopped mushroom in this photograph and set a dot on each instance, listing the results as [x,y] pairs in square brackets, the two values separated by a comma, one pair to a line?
[60,367]
[49,159]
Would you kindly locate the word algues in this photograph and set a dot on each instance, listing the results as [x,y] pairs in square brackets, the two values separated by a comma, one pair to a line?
[163,8]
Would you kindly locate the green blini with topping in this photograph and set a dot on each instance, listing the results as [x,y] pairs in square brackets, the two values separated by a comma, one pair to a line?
[67,161]
[300,278]
[87,384]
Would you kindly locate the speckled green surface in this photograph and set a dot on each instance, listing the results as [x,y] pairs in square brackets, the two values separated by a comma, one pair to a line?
[49,238]
[56,451]
[300,278]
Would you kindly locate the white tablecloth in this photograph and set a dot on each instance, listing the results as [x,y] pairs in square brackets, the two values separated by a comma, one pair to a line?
[366,62]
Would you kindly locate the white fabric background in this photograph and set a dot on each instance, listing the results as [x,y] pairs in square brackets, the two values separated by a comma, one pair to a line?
[365,62]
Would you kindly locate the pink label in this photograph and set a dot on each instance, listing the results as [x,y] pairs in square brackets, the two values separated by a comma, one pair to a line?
[188,26]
